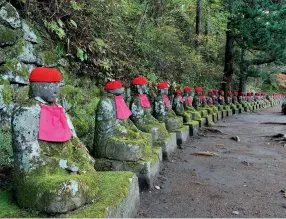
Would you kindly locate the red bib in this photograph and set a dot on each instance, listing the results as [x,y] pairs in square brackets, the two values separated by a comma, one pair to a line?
[122,110]
[144,101]
[53,124]
[189,101]
[166,100]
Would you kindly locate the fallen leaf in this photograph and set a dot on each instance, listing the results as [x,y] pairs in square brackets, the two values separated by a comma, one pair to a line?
[205,153]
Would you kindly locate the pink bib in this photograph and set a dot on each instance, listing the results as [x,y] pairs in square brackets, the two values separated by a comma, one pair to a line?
[211,100]
[144,101]
[166,100]
[235,98]
[181,99]
[122,110]
[190,102]
[53,124]
[201,99]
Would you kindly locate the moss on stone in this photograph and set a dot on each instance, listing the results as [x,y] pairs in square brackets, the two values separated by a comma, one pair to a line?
[114,187]
[15,66]
[8,36]
[7,94]
[49,57]
[16,49]
[6,152]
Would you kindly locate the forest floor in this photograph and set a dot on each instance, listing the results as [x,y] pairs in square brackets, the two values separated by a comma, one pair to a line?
[246,179]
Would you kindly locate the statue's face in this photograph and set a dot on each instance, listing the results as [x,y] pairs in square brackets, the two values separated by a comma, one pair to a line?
[189,93]
[198,93]
[164,91]
[142,89]
[48,91]
[116,92]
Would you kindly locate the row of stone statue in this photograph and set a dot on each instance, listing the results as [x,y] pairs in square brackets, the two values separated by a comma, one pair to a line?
[54,171]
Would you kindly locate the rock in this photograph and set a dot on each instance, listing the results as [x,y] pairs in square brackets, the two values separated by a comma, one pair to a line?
[8,36]
[47,58]
[27,54]
[10,16]
[29,34]
[235,212]
[2,2]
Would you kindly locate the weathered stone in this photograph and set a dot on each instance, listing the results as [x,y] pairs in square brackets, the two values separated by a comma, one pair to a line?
[27,54]
[47,58]
[29,34]
[8,36]
[2,2]
[10,16]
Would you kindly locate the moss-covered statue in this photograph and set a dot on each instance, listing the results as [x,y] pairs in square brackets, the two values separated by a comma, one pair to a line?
[210,102]
[235,97]
[53,171]
[163,109]
[197,101]
[116,137]
[142,111]
[188,103]
[221,98]
[178,107]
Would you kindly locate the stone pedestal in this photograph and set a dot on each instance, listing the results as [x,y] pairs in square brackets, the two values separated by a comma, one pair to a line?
[235,111]
[193,128]
[168,145]
[145,169]
[209,120]
[202,122]
[229,112]
[219,115]
[182,135]
[215,117]
[224,113]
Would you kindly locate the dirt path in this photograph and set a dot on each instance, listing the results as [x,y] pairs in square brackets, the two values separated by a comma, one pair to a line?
[247,176]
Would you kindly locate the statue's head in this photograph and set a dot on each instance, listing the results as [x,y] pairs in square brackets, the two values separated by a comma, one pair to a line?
[177,92]
[114,87]
[221,92]
[45,83]
[229,93]
[140,85]
[199,91]
[215,92]
[163,88]
[210,93]
[188,90]
[235,93]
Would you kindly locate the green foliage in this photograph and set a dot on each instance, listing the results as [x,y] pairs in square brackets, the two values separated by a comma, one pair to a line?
[6,153]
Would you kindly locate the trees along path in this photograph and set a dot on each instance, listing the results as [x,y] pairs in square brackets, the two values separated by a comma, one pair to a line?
[246,178]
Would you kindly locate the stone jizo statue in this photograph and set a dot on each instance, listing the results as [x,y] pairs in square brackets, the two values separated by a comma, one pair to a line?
[142,110]
[116,136]
[163,109]
[53,171]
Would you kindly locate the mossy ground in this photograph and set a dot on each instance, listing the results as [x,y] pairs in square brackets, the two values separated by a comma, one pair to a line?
[114,187]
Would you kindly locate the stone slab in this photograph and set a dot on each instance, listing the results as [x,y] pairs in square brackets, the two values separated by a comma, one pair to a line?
[229,112]
[209,120]
[224,113]
[193,129]
[146,170]
[215,118]
[219,115]
[182,135]
[168,146]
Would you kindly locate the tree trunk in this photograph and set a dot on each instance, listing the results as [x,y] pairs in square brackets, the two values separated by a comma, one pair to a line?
[199,17]
[229,59]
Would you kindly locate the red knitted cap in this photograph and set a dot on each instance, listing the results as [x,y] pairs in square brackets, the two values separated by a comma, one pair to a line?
[140,81]
[235,92]
[229,92]
[112,85]
[188,88]
[221,91]
[210,92]
[41,74]
[177,92]
[198,89]
[162,85]
[241,93]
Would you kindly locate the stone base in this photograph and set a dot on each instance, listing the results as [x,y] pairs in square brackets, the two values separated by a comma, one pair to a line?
[193,128]
[224,113]
[118,197]
[145,169]
[235,111]
[215,117]
[219,115]
[182,135]
[168,146]
[229,113]
[209,120]
[246,109]
[204,113]
[202,122]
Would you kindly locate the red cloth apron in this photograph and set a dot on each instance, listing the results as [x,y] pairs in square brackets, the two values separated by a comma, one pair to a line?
[122,110]
[144,101]
[166,100]
[181,98]
[53,124]
[211,100]
[190,102]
